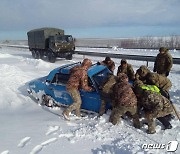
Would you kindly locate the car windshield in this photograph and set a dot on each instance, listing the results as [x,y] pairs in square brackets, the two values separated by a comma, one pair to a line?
[101,77]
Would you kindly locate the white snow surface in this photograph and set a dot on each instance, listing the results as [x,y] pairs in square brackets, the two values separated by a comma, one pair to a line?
[27,127]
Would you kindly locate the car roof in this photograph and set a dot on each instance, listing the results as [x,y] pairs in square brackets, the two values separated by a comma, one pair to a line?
[91,71]
[65,69]
[94,69]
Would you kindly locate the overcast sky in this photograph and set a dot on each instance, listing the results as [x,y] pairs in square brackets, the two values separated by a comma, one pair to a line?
[91,18]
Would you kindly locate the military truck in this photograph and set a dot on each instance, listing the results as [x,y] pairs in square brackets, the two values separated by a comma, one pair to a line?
[50,42]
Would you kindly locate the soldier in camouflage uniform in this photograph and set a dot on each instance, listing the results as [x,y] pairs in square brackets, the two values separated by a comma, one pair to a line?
[109,63]
[144,76]
[154,105]
[162,82]
[141,73]
[107,92]
[78,80]
[163,62]
[125,101]
[127,69]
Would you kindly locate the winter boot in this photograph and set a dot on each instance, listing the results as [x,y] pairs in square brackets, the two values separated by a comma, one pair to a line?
[77,113]
[66,115]
[151,124]
[151,127]
[136,121]
[165,122]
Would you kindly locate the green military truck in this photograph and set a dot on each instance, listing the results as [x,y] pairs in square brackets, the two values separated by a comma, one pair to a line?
[50,42]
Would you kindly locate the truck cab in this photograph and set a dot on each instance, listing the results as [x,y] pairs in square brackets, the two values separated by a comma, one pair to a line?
[61,43]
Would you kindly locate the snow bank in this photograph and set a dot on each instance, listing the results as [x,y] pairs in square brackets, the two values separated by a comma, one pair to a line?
[10,79]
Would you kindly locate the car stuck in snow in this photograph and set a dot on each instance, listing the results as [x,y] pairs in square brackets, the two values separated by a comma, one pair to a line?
[51,89]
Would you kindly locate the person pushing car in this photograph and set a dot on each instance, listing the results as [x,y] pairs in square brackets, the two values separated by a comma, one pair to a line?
[78,80]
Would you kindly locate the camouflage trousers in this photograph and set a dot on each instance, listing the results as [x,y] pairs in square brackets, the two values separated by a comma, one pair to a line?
[103,106]
[118,111]
[76,105]
[150,116]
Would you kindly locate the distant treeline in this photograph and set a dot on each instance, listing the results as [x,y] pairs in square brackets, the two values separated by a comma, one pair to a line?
[171,42]
[148,42]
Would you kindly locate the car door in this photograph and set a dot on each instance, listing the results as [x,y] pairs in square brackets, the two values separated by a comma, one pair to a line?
[57,89]
[91,101]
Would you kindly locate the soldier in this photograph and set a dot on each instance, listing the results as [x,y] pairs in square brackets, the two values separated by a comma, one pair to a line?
[125,101]
[162,82]
[144,76]
[163,62]
[106,94]
[78,79]
[154,105]
[127,69]
[109,63]
[147,77]
[141,73]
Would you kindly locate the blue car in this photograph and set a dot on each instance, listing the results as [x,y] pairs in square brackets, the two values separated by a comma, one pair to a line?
[51,89]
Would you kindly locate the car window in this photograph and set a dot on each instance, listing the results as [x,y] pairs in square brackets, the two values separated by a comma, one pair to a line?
[90,82]
[101,77]
[60,78]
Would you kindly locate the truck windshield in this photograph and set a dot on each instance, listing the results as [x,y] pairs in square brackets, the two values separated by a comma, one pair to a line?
[63,38]
[68,38]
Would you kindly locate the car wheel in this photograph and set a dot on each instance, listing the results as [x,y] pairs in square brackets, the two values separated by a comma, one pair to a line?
[51,57]
[47,101]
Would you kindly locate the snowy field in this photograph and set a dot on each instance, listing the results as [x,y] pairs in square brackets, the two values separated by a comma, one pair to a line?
[27,128]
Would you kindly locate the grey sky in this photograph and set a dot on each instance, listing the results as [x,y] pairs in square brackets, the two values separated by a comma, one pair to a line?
[78,16]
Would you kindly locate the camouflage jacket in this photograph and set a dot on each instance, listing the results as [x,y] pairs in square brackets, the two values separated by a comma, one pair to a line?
[108,86]
[160,81]
[110,65]
[163,63]
[78,79]
[124,95]
[153,101]
[128,71]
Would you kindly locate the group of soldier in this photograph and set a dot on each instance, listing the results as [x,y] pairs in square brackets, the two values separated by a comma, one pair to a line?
[143,93]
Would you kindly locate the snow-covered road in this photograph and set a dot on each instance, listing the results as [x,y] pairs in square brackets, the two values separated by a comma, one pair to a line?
[27,128]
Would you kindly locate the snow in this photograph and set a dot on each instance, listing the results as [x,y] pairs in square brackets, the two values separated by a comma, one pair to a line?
[27,127]
[115,50]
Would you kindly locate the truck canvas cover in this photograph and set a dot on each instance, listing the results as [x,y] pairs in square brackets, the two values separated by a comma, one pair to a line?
[37,38]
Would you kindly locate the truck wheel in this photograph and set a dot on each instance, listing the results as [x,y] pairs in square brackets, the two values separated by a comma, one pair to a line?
[51,57]
[69,57]
[33,54]
[38,55]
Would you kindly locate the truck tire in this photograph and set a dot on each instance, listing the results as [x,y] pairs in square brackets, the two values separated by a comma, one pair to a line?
[69,57]
[38,55]
[51,57]
[33,54]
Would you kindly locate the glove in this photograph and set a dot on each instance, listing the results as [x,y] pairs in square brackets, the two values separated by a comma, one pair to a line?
[167,73]
[93,89]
